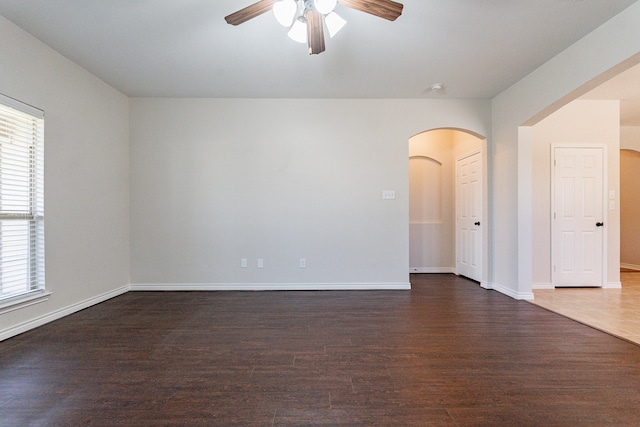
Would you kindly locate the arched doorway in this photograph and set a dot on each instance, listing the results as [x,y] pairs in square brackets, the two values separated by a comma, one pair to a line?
[436,235]
[629,209]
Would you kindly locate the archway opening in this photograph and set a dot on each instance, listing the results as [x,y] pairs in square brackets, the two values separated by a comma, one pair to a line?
[434,234]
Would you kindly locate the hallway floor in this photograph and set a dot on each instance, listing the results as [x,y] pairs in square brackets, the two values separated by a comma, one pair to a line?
[615,311]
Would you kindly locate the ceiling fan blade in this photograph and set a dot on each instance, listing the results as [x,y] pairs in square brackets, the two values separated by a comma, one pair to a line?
[386,9]
[315,32]
[249,12]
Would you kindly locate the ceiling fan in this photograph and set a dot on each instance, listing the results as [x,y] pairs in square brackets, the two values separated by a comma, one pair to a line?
[307,18]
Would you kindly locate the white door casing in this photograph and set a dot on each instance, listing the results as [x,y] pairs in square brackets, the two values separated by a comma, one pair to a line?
[578,215]
[469,216]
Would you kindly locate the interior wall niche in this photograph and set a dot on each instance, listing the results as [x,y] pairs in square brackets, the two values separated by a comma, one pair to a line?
[425,190]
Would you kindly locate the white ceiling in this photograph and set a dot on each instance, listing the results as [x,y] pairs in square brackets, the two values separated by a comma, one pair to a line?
[626,88]
[184,48]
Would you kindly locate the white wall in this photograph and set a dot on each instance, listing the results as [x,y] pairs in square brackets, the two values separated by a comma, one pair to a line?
[465,143]
[214,181]
[579,122]
[86,177]
[630,138]
[568,75]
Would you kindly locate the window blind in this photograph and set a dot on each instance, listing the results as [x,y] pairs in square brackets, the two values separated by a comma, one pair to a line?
[21,199]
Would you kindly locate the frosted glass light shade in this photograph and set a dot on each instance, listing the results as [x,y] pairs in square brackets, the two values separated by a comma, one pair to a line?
[298,31]
[334,23]
[325,6]
[285,11]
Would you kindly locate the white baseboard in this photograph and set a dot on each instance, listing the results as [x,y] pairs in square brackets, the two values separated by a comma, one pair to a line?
[612,285]
[268,286]
[543,285]
[432,270]
[630,266]
[58,314]
[528,296]
[486,285]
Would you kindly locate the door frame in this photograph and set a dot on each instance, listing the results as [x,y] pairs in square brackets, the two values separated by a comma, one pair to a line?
[483,213]
[605,208]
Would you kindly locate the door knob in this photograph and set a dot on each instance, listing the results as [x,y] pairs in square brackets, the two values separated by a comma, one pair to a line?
[476,223]
[599,224]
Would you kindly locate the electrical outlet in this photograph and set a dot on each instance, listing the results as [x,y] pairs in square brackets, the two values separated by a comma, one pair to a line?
[303,263]
[388,194]
[260,263]
[243,263]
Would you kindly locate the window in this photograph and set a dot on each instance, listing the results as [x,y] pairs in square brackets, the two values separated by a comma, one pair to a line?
[21,200]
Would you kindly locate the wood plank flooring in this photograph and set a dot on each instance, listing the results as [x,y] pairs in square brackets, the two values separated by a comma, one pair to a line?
[615,311]
[446,353]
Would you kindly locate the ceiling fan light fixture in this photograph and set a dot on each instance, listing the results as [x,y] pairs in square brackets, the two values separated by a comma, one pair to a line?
[285,11]
[325,6]
[298,31]
[334,23]
[309,20]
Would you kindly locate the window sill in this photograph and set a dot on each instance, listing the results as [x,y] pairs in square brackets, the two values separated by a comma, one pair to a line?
[23,301]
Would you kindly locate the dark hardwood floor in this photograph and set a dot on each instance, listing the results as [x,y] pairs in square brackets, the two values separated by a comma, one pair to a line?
[445,353]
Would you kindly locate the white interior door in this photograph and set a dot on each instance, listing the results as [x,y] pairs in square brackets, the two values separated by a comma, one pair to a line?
[468,216]
[578,216]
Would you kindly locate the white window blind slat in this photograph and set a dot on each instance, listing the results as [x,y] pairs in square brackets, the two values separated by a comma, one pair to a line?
[21,198]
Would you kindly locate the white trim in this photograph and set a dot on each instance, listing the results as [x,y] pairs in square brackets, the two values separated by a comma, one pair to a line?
[609,285]
[630,266]
[21,106]
[432,270]
[543,285]
[486,285]
[11,304]
[268,286]
[515,295]
[59,314]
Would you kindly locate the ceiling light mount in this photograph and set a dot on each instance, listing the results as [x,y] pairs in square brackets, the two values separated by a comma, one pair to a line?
[306,19]
[437,88]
